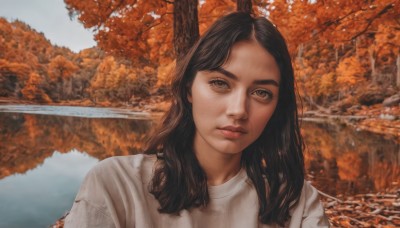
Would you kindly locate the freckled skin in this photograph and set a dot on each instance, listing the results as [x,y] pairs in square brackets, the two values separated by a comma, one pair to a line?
[219,101]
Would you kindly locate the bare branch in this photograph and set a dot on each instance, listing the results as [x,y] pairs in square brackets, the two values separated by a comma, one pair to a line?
[151,26]
[372,19]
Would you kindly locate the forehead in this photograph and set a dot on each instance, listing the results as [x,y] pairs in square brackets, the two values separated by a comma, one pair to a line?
[249,58]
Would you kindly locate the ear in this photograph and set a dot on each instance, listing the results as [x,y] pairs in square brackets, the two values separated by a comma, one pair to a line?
[189,94]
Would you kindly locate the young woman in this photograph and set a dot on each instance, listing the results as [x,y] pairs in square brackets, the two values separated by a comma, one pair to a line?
[229,152]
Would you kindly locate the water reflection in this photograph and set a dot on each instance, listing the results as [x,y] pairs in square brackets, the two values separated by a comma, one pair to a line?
[40,196]
[43,159]
[343,161]
[27,140]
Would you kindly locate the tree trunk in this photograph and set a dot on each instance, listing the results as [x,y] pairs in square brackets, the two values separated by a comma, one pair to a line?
[300,55]
[244,6]
[398,71]
[372,62]
[336,54]
[357,51]
[186,26]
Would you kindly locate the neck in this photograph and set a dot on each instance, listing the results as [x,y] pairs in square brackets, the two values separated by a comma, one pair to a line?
[219,168]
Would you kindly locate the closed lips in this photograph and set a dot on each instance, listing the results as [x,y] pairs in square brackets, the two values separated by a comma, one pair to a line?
[234,129]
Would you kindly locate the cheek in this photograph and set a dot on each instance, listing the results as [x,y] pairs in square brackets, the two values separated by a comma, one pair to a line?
[260,119]
[204,100]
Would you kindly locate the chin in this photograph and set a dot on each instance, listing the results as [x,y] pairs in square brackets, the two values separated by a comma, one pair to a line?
[230,149]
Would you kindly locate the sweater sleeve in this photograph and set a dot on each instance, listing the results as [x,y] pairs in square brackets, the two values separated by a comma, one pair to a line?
[313,212]
[90,207]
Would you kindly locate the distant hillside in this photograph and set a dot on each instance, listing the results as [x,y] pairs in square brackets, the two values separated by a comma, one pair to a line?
[32,69]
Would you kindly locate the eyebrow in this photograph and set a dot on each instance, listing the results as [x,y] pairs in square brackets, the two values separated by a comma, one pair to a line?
[234,77]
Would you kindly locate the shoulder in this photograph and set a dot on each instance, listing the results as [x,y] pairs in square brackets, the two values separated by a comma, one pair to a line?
[108,190]
[112,175]
[119,171]
[309,211]
[132,163]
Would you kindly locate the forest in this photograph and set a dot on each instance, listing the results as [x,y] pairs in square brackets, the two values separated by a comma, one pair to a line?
[344,59]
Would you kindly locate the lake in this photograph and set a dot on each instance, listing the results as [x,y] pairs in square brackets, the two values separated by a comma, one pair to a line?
[47,150]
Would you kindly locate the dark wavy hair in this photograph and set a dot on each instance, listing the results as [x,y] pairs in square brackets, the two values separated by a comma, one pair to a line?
[274,162]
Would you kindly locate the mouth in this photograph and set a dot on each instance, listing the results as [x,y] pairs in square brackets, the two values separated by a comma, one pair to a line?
[234,129]
[232,132]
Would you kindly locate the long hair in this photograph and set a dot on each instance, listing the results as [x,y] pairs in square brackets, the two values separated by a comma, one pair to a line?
[274,162]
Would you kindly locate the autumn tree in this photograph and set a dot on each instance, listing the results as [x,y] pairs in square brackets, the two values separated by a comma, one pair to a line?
[87,61]
[60,71]
[338,44]
[33,89]
[115,81]
[327,86]
[98,88]
[150,29]
[333,21]
[13,77]
[186,27]
[125,27]
[349,73]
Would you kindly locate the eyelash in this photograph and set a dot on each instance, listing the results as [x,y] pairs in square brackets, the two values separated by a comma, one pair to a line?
[219,83]
[221,86]
[267,93]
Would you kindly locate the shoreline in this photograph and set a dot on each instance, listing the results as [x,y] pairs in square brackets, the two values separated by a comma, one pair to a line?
[158,106]
[385,124]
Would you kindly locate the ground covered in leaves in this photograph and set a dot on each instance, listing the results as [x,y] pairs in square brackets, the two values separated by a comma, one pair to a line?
[364,210]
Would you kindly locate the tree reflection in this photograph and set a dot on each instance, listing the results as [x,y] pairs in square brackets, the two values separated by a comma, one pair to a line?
[338,159]
[343,161]
[27,140]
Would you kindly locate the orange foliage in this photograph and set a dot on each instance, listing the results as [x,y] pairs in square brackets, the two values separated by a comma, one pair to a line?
[349,72]
[61,68]
[338,44]
[20,70]
[124,27]
[349,165]
[114,80]
[32,90]
[140,30]
[335,21]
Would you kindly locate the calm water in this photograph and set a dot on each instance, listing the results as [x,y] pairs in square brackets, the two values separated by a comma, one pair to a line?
[45,151]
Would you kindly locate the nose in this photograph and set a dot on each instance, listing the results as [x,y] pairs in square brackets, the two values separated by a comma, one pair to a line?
[237,105]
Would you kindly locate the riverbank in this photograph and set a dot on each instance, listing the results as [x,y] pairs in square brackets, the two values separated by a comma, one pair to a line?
[376,119]
[156,104]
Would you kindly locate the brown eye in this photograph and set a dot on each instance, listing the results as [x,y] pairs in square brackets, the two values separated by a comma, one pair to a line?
[262,94]
[219,84]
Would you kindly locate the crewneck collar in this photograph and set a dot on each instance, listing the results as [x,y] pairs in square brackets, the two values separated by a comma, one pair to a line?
[229,187]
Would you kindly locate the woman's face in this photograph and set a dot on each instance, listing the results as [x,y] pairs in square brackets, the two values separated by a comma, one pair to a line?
[232,105]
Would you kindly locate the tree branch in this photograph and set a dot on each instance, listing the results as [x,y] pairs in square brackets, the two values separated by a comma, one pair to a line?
[372,19]
[337,21]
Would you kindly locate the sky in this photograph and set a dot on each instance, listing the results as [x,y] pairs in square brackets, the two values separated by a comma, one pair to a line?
[51,18]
